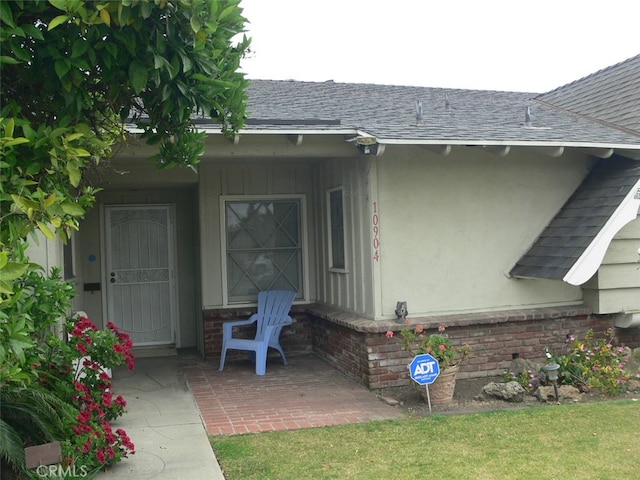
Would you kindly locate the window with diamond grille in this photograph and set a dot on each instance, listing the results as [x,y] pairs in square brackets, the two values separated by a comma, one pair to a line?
[263,247]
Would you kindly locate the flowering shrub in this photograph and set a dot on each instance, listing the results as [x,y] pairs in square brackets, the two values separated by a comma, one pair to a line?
[593,363]
[78,371]
[438,345]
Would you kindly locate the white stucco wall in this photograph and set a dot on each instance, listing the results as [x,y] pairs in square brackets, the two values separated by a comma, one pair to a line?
[452,226]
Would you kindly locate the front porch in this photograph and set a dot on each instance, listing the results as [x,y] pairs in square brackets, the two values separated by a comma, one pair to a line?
[306,393]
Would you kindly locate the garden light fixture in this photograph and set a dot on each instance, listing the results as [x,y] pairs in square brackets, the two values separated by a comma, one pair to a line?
[551,369]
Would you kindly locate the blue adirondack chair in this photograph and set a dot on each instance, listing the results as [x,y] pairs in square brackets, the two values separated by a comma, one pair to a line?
[273,314]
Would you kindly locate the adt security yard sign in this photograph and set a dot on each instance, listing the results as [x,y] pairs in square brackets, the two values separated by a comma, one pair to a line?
[424,369]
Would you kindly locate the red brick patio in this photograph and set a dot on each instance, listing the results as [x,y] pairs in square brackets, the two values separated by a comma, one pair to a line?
[306,393]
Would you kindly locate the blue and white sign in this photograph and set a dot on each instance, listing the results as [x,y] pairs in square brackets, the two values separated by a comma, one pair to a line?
[424,369]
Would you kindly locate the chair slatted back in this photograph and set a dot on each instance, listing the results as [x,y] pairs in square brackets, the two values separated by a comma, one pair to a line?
[273,307]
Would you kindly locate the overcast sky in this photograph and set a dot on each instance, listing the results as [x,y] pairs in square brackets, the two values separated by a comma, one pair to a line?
[519,45]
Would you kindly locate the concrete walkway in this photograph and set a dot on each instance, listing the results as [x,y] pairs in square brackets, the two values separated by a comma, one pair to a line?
[174,402]
[164,423]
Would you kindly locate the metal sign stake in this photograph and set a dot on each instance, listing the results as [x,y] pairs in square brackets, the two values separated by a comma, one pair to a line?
[428,397]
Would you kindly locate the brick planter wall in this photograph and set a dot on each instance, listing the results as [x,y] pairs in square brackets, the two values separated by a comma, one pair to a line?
[628,336]
[359,348]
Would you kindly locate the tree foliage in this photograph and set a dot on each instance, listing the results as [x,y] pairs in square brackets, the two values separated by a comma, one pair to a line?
[75,72]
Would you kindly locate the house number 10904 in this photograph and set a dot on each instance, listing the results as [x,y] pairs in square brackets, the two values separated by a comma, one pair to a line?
[375,220]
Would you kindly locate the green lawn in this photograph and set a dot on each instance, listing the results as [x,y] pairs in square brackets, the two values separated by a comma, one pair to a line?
[590,441]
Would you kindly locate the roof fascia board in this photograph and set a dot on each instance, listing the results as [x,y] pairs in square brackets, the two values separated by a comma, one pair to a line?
[400,141]
[504,143]
[256,131]
[591,259]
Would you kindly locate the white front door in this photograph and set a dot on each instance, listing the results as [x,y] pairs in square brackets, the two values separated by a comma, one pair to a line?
[140,272]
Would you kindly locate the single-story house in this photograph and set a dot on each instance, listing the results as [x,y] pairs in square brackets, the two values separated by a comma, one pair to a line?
[508,217]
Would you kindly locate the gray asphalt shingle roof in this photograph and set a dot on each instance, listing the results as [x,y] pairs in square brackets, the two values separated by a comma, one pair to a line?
[611,95]
[388,112]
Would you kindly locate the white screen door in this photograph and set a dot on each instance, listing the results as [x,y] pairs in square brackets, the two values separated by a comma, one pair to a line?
[139,268]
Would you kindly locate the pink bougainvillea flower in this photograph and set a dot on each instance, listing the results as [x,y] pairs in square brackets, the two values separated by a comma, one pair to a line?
[107,399]
[87,445]
[389,334]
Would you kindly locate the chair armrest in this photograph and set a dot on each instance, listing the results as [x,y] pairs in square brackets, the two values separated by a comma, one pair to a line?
[227,327]
[285,323]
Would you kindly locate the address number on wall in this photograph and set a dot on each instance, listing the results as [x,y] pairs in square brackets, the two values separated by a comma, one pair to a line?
[375,222]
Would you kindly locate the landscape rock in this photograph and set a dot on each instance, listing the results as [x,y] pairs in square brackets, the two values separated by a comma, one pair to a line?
[390,401]
[565,392]
[633,385]
[510,391]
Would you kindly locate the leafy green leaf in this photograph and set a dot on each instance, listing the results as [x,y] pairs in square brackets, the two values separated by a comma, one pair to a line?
[79,48]
[9,125]
[59,4]
[62,67]
[8,60]
[59,20]
[21,53]
[73,209]
[12,270]
[137,76]
[32,30]
[46,230]
[5,14]
[16,141]
[74,173]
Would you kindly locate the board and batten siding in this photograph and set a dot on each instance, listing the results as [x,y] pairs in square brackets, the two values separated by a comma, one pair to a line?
[616,285]
[350,289]
[251,179]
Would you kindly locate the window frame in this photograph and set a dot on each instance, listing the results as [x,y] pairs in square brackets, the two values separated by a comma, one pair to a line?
[330,231]
[304,255]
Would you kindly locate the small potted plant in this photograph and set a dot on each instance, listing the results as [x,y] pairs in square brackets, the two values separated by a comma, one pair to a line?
[438,345]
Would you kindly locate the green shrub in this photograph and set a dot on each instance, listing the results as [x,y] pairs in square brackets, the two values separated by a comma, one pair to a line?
[593,363]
